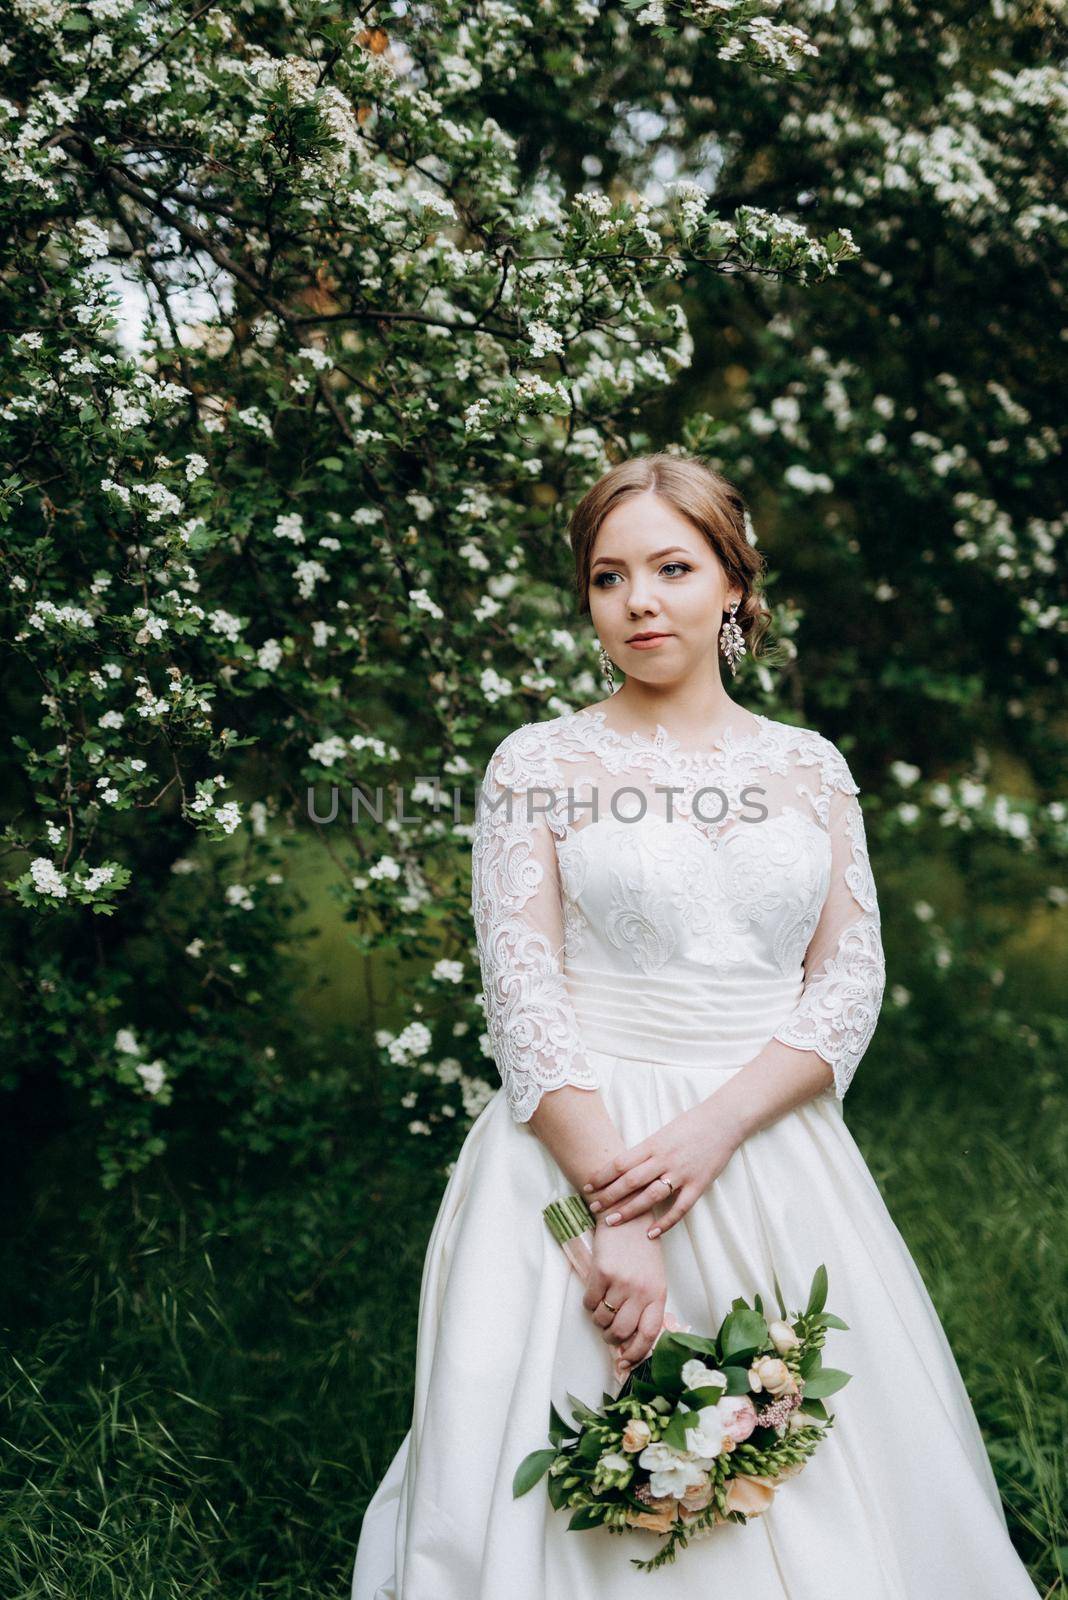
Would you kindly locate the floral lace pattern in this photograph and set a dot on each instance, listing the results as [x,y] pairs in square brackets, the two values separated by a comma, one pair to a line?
[687,878]
[516,907]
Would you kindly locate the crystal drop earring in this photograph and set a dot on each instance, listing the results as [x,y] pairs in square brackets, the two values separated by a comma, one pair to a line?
[606,668]
[732,640]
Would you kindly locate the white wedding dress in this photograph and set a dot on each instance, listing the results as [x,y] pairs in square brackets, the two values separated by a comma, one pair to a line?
[649,959]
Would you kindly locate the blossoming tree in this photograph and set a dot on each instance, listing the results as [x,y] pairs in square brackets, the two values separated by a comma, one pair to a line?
[307,530]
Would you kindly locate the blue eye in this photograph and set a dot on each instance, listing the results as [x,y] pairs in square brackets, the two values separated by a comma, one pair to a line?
[601,583]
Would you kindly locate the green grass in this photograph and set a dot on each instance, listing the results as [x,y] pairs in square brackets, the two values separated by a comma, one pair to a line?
[202,1385]
[982,1204]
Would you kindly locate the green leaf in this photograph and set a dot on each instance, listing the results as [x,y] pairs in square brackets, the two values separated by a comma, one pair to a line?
[667,1366]
[587,1517]
[558,1428]
[810,1362]
[695,1341]
[530,1469]
[817,1295]
[590,1446]
[829,1320]
[779,1297]
[743,1333]
[828,1380]
[581,1412]
[557,1493]
[675,1432]
[814,1408]
[705,1396]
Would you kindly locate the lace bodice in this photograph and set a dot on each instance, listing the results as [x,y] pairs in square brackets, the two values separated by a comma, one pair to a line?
[727,891]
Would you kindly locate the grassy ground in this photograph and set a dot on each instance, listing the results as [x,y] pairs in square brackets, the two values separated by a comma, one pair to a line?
[203,1381]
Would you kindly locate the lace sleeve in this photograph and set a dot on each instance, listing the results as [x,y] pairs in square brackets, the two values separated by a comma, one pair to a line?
[845,971]
[518,917]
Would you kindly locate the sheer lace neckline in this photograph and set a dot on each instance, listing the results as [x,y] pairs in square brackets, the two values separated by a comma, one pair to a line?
[663,742]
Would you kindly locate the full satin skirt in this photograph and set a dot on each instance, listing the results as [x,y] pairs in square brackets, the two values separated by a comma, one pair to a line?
[898,1503]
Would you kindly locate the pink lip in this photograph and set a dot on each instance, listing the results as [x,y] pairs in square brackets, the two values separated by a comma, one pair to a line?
[645,641]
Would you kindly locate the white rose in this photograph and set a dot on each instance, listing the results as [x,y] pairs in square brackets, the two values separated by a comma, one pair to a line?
[696,1375]
[672,1472]
[709,1437]
[655,1457]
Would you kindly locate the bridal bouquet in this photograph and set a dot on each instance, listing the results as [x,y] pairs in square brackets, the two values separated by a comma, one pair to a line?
[703,1431]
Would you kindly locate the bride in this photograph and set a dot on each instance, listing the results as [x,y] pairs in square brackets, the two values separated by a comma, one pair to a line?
[679,940]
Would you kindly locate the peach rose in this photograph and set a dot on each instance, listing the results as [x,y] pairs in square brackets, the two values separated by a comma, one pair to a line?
[658,1518]
[782,1336]
[697,1499]
[637,1434]
[738,1415]
[750,1495]
[768,1372]
[671,1324]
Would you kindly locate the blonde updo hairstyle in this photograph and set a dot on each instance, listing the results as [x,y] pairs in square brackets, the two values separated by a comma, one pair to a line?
[707,499]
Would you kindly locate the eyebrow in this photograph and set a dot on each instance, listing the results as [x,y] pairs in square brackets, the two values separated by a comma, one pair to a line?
[614,561]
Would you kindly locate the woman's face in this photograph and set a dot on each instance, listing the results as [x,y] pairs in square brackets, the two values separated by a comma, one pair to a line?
[652,572]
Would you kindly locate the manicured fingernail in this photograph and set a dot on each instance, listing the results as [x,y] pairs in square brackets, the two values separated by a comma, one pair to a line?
[654,1233]
[613,1218]
[595,1205]
[587,1188]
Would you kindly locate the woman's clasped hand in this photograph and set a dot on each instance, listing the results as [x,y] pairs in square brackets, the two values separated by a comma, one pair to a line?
[689,1152]
[627,1289]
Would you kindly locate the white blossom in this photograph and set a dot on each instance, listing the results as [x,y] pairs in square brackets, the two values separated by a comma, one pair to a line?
[47,879]
[308,574]
[290,526]
[493,686]
[411,1043]
[153,1075]
[423,602]
[448,971]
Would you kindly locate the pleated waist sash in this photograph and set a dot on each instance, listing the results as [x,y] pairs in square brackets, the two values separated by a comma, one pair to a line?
[693,1021]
